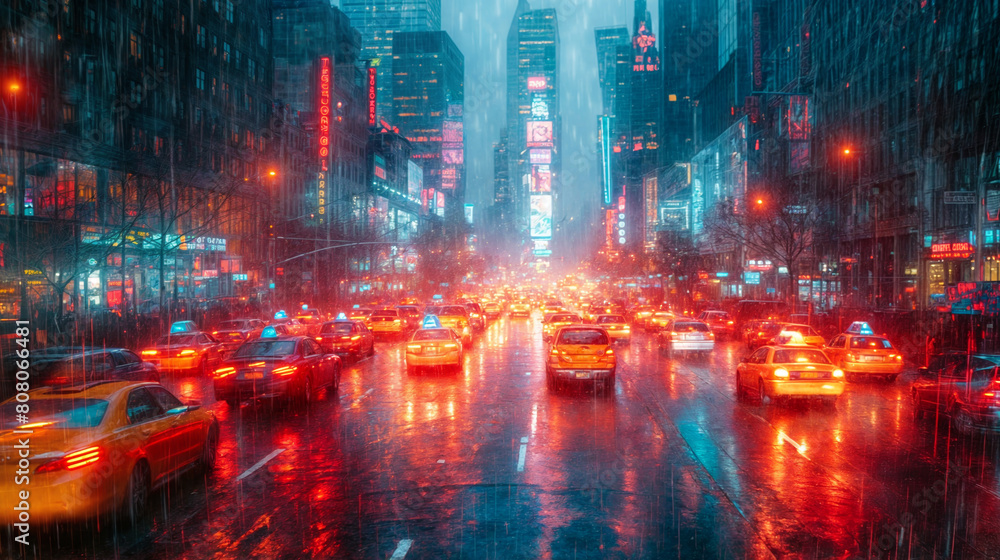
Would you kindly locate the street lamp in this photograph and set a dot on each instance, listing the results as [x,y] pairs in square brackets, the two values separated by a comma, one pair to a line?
[876,270]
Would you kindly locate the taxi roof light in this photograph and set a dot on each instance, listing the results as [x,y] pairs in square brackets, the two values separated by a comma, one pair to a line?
[342,316]
[183,327]
[431,322]
[281,314]
[860,327]
[269,332]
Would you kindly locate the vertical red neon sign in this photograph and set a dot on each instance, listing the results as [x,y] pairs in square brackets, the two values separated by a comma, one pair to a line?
[372,96]
[324,135]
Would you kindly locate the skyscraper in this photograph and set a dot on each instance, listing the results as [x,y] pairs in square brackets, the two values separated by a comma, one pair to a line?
[608,40]
[427,108]
[533,121]
[378,21]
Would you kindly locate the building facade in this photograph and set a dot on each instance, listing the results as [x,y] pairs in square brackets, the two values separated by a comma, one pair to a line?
[378,21]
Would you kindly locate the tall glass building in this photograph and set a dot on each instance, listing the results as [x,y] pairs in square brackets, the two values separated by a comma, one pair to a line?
[378,21]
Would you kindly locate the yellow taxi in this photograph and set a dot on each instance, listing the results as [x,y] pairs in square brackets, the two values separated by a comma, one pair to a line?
[387,322]
[581,353]
[98,447]
[792,371]
[455,317]
[520,309]
[553,321]
[803,334]
[861,352]
[359,313]
[658,320]
[185,351]
[433,345]
[616,325]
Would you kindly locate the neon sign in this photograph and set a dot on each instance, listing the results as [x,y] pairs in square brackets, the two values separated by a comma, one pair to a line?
[324,136]
[941,251]
[372,96]
[537,83]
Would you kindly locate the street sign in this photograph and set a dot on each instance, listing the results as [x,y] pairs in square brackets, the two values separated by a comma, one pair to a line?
[959,197]
[751,278]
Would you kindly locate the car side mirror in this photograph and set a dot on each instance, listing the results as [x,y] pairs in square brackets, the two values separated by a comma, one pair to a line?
[182,409]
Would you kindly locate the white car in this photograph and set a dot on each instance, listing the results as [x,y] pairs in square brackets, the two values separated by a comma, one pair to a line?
[686,335]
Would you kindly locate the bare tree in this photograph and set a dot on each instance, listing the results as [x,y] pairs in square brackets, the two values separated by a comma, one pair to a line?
[780,225]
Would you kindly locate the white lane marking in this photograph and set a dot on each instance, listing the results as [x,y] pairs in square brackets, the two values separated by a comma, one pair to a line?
[401,549]
[260,464]
[362,397]
[800,447]
[522,454]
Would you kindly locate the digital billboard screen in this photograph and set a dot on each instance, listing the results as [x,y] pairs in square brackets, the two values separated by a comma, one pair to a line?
[536,83]
[452,132]
[440,203]
[539,134]
[469,213]
[452,156]
[541,179]
[540,156]
[541,216]
[414,179]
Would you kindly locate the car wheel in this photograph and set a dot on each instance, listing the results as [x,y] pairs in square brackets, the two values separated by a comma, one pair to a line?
[609,384]
[335,382]
[962,421]
[203,367]
[371,350]
[739,387]
[890,379]
[306,395]
[137,497]
[210,451]
[550,380]
[761,392]
[918,411]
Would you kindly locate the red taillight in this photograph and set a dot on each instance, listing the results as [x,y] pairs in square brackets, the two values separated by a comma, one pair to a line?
[320,338]
[356,337]
[72,461]
[284,371]
[223,372]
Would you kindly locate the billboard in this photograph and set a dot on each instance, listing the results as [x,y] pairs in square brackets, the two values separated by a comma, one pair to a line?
[539,134]
[440,204]
[452,133]
[469,210]
[537,156]
[541,216]
[452,156]
[541,179]
[537,83]
[539,108]
[621,220]
[610,217]
[414,179]
[650,186]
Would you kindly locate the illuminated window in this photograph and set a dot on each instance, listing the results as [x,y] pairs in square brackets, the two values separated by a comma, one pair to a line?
[225,52]
[199,81]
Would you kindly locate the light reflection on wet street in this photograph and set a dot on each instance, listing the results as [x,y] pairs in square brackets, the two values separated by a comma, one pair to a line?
[668,465]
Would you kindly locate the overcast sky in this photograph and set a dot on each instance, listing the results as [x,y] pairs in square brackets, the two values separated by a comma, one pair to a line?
[479,28]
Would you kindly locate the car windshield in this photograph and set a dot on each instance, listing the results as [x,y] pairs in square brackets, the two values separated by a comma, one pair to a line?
[431,334]
[336,328]
[564,318]
[453,310]
[804,330]
[870,343]
[386,313]
[177,340]
[63,413]
[606,319]
[800,356]
[266,349]
[690,327]
[590,337]
[232,325]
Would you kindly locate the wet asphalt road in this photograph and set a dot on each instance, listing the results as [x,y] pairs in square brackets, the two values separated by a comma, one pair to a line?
[488,463]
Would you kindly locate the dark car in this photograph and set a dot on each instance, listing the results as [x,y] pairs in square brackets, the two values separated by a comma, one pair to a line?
[74,365]
[477,317]
[345,337]
[231,334]
[963,387]
[277,367]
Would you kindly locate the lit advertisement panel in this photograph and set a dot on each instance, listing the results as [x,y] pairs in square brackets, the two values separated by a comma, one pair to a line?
[539,134]
[541,216]
[372,96]
[469,213]
[440,204]
[621,220]
[324,136]
[541,179]
[610,217]
[451,156]
[652,208]
[540,156]
[448,178]
[537,83]
[539,108]
[606,156]
[452,133]
[426,199]
[414,179]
